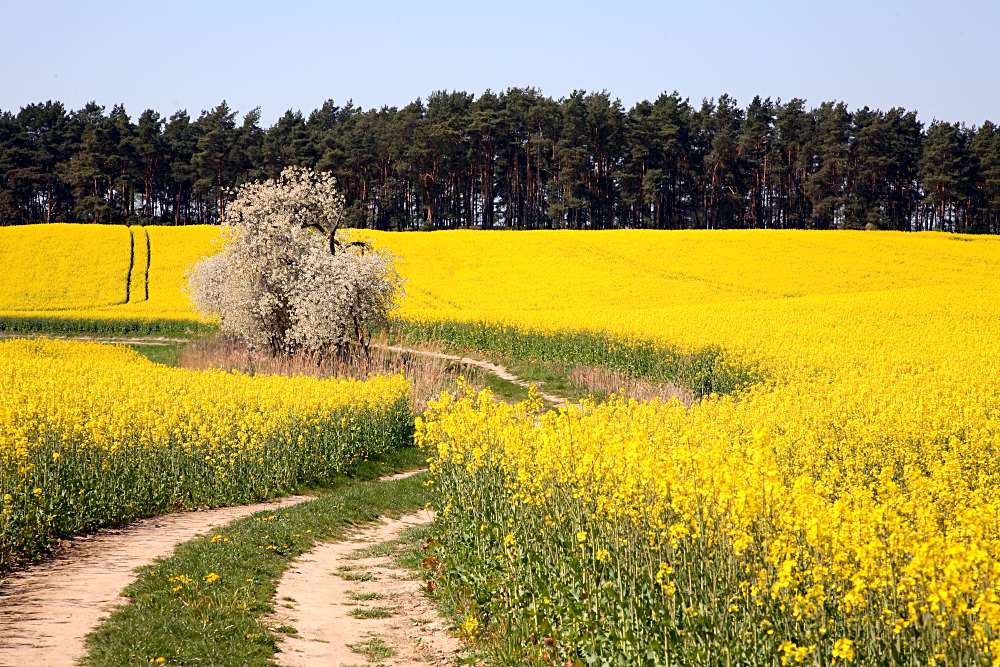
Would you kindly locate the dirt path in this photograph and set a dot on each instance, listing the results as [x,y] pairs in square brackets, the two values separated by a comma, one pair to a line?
[495,369]
[47,610]
[349,606]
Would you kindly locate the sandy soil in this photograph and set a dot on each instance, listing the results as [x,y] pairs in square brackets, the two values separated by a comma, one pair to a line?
[401,475]
[47,610]
[315,597]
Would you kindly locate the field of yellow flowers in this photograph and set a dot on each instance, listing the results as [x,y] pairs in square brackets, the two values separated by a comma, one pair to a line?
[843,509]
[94,435]
[838,502]
[62,266]
[100,278]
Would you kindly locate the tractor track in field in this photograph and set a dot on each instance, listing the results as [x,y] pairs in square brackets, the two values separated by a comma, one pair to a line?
[130,276]
[131,266]
[47,610]
[149,263]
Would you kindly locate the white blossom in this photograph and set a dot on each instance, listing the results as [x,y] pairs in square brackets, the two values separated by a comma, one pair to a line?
[280,283]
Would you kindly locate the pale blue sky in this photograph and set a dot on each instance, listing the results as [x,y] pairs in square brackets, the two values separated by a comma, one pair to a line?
[940,58]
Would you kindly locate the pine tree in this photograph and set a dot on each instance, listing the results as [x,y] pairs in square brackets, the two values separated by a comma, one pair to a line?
[945,175]
[793,160]
[516,159]
[87,171]
[150,148]
[825,186]
[216,156]
[756,137]
[286,144]
[986,148]
[180,137]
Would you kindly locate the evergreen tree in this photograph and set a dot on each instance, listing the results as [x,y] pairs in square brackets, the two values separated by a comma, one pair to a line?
[87,170]
[794,128]
[516,159]
[571,168]
[215,159]
[151,149]
[945,173]
[986,148]
[11,210]
[826,185]
[723,177]
[755,140]
[180,137]
[42,148]
[286,144]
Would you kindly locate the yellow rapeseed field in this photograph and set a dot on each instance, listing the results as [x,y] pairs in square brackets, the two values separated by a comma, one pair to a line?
[846,508]
[173,251]
[94,435]
[62,266]
[81,272]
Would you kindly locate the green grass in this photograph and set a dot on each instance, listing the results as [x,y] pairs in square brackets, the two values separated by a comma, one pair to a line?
[372,612]
[550,376]
[51,324]
[374,648]
[354,574]
[418,549]
[167,354]
[374,551]
[222,623]
[702,371]
[364,596]
[502,389]
[412,545]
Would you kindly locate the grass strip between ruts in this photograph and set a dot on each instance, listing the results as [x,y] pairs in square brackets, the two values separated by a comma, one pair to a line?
[206,604]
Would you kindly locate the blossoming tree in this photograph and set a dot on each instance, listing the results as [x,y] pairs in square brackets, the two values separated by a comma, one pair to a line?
[286,280]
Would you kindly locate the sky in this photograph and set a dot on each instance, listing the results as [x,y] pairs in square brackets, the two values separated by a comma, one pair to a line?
[939,58]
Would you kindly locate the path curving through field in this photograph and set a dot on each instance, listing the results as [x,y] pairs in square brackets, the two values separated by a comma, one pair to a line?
[47,610]
[349,607]
[488,366]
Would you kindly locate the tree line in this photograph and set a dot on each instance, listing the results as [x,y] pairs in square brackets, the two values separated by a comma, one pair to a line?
[517,159]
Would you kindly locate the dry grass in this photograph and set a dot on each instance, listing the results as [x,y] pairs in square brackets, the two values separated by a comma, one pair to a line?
[605,381]
[429,376]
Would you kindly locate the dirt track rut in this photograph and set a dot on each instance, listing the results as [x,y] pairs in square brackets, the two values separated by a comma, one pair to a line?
[47,610]
[340,604]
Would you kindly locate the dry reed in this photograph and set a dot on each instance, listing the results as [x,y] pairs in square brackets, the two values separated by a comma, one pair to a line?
[606,381]
[429,376]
